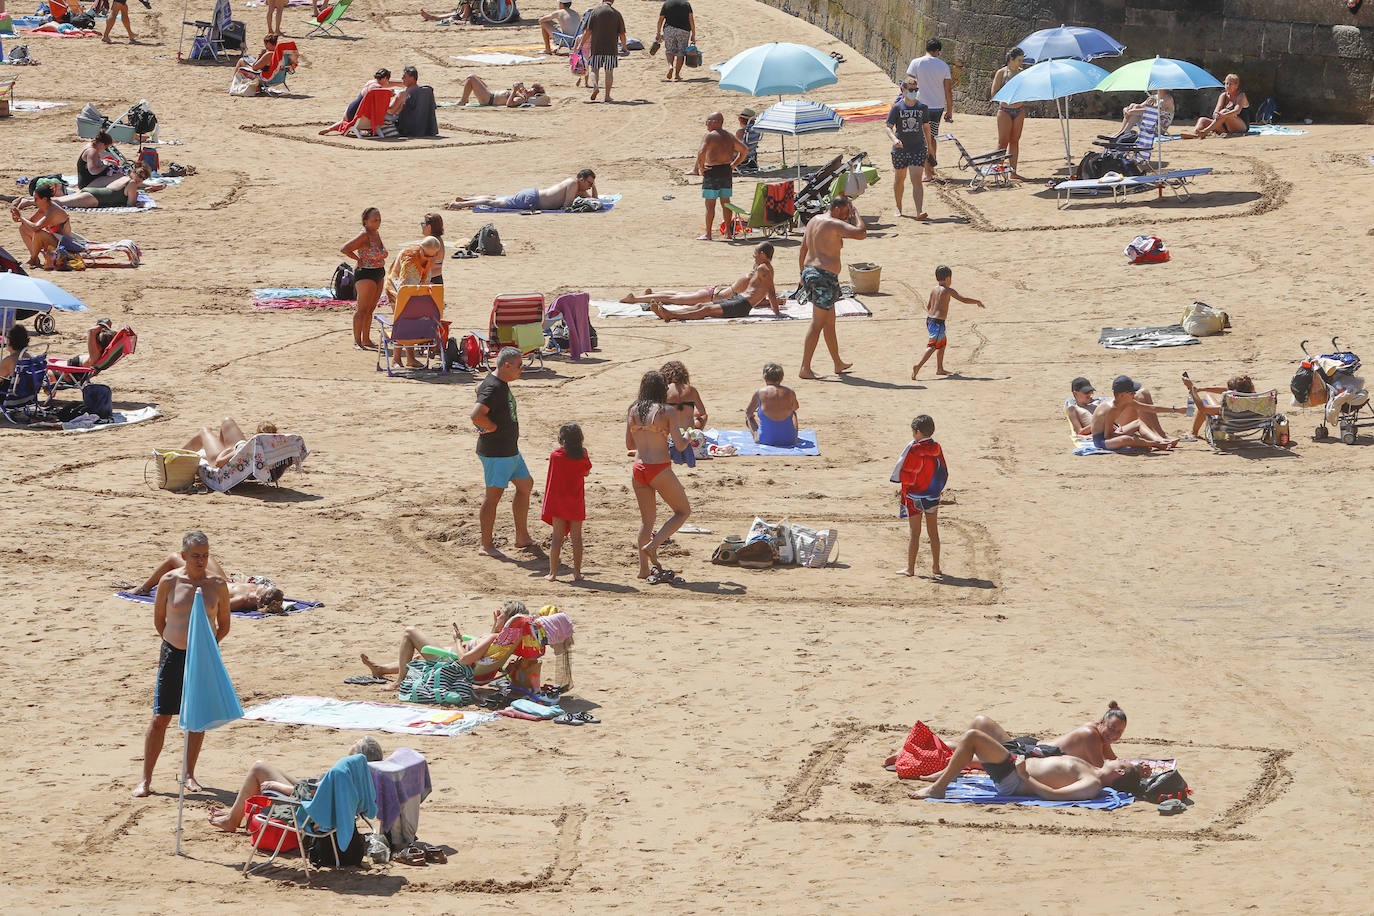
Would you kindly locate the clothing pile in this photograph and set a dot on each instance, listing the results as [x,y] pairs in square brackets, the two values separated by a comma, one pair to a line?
[785,544]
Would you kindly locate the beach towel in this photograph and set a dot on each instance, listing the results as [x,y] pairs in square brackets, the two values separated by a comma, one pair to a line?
[254,458]
[54,30]
[501,58]
[32,105]
[288,605]
[979,789]
[1273,130]
[868,110]
[608,202]
[90,422]
[145,202]
[848,307]
[345,791]
[511,49]
[1083,445]
[368,716]
[1146,338]
[401,782]
[744,443]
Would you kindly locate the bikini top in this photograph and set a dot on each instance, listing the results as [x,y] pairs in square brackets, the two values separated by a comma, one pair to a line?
[372,254]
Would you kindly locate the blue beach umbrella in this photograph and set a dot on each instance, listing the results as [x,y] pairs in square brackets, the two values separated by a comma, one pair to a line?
[20,293]
[1069,41]
[777,68]
[796,117]
[1159,73]
[208,698]
[1052,79]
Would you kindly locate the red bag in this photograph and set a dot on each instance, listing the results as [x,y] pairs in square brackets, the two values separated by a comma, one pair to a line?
[1146,249]
[923,753]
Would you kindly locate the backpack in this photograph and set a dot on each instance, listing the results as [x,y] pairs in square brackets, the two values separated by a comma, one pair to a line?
[321,851]
[487,241]
[55,179]
[1094,165]
[81,21]
[1301,385]
[1267,111]
[472,351]
[1166,784]
[342,286]
[1146,249]
[561,336]
[98,399]
[140,119]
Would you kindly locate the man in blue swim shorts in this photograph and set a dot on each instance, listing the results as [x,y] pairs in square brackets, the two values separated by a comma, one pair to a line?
[498,448]
[1113,436]
[720,154]
[555,197]
[820,276]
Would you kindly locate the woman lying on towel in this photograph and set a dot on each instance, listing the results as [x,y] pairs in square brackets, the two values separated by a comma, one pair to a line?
[486,656]
[264,777]
[122,192]
[514,97]
[218,447]
[1208,400]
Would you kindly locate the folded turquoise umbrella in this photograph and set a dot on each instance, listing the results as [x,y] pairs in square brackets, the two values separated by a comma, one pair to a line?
[1052,79]
[1159,73]
[777,68]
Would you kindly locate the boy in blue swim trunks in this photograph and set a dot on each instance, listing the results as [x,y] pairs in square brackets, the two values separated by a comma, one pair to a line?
[1113,436]
[498,448]
[936,310]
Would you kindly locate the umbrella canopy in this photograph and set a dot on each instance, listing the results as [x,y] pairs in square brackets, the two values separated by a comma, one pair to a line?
[798,116]
[1069,41]
[777,68]
[34,293]
[1160,73]
[1051,79]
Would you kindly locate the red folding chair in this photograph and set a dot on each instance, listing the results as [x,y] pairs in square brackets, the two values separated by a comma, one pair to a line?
[65,375]
[516,321]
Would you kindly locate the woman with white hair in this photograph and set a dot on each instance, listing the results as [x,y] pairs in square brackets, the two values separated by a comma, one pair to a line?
[266,777]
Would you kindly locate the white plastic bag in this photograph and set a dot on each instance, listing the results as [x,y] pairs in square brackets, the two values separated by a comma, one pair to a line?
[1201,320]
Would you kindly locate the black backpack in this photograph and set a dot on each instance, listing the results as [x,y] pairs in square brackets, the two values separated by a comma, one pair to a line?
[55,179]
[1094,165]
[321,851]
[1159,786]
[487,241]
[140,119]
[342,286]
[561,336]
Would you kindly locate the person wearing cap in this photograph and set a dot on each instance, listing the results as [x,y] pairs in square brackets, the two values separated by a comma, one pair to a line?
[562,20]
[936,92]
[1112,435]
[1080,406]
[749,136]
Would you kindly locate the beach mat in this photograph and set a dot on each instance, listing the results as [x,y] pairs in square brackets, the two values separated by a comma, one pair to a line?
[368,716]
[288,605]
[145,202]
[979,789]
[1146,338]
[117,419]
[858,112]
[502,58]
[608,202]
[33,105]
[1273,130]
[510,49]
[275,298]
[848,307]
[744,443]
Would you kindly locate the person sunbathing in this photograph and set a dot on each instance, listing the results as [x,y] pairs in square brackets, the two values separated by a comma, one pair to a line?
[1231,115]
[122,192]
[97,339]
[1091,741]
[462,14]
[482,655]
[1062,778]
[218,447]
[514,97]
[264,777]
[734,301]
[1208,400]
[554,197]
[261,595]
[772,412]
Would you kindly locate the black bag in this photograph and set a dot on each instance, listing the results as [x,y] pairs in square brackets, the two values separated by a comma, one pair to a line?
[1094,165]
[321,851]
[1301,385]
[561,336]
[141,119]
[81,21]
[342,286]
[98,399]
[235,36]
[487,241]
[1159,786]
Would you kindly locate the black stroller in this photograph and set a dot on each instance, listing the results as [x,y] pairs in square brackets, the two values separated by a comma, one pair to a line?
[1329,381]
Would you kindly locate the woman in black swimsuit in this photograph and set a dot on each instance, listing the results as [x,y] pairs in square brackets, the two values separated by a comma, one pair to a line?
[92,168]
[1231,115]
[688,409]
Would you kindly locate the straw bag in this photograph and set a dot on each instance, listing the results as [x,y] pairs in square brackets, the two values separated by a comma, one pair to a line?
[176,468]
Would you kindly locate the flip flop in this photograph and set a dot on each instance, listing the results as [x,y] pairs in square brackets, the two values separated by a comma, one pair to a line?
[365,679]
[433,854]
[568,718]
[584,717]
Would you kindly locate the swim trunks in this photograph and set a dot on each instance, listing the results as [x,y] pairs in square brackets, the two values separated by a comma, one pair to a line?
[683,456]
[528,199]
[910,505]
[935,327]
[822,287]
[717,181]
[1100,441]
[1005,777]
[603,61]
[499,472]
[737,306]
[903,158]
[171,668]
[645,473]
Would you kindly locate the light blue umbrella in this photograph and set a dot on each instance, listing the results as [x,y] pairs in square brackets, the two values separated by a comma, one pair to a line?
[777,68]
[1052,79]
[208,698]
[1160,73]
[1069,41]
[20,292]
[796,117]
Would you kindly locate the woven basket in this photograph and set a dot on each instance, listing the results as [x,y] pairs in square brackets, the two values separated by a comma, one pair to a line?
[176,468]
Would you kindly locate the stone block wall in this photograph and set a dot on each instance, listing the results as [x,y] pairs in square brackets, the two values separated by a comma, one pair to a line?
[1315,57]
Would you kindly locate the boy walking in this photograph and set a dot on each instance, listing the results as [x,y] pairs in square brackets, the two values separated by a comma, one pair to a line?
[936,310]
[922,474]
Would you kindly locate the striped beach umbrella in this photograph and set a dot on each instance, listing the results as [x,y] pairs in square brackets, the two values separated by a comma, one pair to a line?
[795,117]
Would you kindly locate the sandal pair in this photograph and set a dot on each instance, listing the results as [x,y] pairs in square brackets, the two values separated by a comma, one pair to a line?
[660,576]
[419,853]
[577,718]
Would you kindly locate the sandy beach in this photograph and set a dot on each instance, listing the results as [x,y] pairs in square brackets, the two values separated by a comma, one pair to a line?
[745,714]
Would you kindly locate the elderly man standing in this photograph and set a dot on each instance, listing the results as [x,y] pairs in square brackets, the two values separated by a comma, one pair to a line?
[720,154]
[498,448]
[604,40]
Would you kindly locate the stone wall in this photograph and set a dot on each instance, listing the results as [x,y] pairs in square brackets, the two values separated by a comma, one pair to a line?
[1315,57]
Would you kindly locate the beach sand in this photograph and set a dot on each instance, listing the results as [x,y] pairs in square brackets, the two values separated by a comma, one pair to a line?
[745,713]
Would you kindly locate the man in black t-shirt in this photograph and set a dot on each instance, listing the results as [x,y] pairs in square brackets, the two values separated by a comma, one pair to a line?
[604,39]
[498,448]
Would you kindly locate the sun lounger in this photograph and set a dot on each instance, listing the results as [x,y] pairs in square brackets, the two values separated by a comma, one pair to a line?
[1120,185]
[263,458]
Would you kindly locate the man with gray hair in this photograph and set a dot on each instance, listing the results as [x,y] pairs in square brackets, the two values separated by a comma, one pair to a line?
[498,448]
[266,777]
[176,595]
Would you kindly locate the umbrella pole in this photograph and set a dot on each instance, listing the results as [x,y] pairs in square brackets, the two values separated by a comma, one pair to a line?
[186,5]
[1064,128]
[181,795]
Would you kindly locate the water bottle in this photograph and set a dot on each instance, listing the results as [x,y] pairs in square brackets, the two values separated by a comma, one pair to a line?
[378,849]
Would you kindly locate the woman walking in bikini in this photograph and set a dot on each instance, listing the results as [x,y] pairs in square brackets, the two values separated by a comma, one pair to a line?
[1011,119]
[648,432]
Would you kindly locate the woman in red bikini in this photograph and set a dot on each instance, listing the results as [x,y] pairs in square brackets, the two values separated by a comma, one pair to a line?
[648,432]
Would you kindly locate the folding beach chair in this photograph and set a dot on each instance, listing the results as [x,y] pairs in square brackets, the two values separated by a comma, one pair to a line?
[373,107]
[1141,149]
[1243,416]
[1121,185]
[285,57]
[328,26]
[774,210]
[516,321]
[210,35]
[323,817]
[68,376]
[417,323]
[30,378]
[262,458]
[563,40]
[992,167]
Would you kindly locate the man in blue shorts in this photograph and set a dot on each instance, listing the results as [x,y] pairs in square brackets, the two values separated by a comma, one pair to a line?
[720,154]
[498,448]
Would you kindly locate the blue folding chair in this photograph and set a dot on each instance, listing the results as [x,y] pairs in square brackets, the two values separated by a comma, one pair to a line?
[210,35]
[345,795]
[27,383]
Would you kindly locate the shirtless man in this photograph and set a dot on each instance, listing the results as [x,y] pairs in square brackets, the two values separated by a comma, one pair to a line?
[753,289]
[1080,412]
[1062,778]
[820,276]
[176,593]
[555,197]
[1091,741]
[562,20]
[720,154]
[1111,429]
[49,227]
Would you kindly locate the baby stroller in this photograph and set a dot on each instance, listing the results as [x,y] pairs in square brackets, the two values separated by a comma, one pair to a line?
[1329,381]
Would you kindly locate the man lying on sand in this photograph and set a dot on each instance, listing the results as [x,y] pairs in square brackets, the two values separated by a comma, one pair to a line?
[734,301]
[555,197]
[481,654]
[1061,778]
[264,777]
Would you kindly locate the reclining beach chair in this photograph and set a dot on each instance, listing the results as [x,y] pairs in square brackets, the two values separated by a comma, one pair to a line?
[262,458]
[1244,416]
[67,376]
[328,26]
[209,37]
[992,167]
[346,795]
[516,321]
[416,322]
[1142,149]
[283,63]
[1121,185]
[30,378]
[774,210]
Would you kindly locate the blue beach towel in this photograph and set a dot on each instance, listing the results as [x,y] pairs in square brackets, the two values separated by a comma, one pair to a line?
[980,790]
[608,202]
[744,443]
[288,605]
[293,292]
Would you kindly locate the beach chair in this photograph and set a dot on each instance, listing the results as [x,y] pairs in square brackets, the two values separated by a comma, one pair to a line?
[328,26]
[27,384]
[994,167]
[68,376]
[373,107]
[6,96]
[417,323]
[346,795]
[1141,149]
[773,212]
[1121,185]
[1243,416]
[563,40]
[262,458]
[284,61]
[516,321]
[209,38]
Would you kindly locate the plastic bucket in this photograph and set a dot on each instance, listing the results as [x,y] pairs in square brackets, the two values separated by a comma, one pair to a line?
[864,277]
[261,834]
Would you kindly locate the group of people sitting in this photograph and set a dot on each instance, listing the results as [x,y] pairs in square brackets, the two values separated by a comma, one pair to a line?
[1131,418]
[410,110]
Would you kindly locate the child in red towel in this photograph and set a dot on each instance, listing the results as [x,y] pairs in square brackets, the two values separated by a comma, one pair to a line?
[922,473]
[565,503]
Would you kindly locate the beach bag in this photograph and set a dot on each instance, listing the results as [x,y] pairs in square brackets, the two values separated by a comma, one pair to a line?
[634,44]
[442,680]
[585,205]
[176,468]
[1146,249]
[1301,386]
[487,241]
[577,63]
[342,286]
[922,754]
[55,179]
[812,548]
[81,21]
[1201,320]
[323,14]
[99,400]
[321,850]
[779,202]
[140,119]
[1156,787]
[692,56]
[472,351]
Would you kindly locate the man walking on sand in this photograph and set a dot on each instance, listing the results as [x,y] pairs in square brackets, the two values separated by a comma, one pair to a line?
[605,40]
[176,594]
[720,154]
[936,92]
[820,276]
[498,448]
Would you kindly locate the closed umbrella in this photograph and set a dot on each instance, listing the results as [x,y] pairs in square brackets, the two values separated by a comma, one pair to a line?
[796,117]
[20,293]
[777,68]
[1159,73]
[1052,79]
[1069,41]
